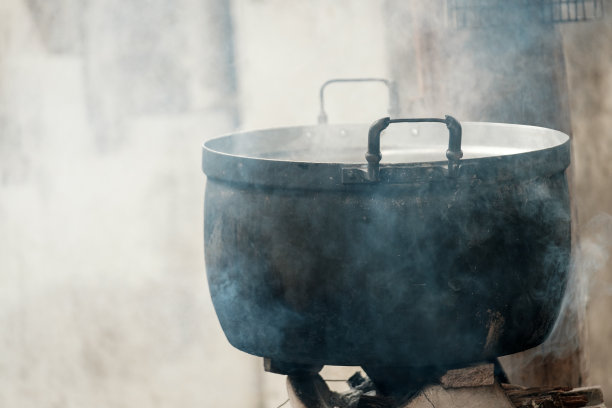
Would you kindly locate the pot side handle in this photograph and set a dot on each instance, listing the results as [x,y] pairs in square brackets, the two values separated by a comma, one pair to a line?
[374,156]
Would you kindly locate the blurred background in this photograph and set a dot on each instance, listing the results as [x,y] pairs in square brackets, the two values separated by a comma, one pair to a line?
[104,105]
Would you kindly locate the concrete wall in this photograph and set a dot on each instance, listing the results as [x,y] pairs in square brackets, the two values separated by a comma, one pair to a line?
[588,51]
[103,300]
[103,108]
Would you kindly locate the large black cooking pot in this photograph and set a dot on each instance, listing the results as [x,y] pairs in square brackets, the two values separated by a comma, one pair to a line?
[448,251]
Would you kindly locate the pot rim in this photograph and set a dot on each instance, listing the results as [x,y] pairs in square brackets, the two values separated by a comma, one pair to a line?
[251,170]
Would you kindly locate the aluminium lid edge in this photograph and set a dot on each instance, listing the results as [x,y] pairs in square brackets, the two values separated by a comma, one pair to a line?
[267,173]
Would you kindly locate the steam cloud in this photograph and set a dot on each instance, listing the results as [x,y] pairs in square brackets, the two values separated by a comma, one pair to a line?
[103,107]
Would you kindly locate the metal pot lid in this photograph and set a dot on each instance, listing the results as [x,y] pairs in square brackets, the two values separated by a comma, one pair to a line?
[333,156]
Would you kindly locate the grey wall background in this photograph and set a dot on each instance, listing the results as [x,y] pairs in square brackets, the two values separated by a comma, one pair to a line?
[588,51]
[103,107]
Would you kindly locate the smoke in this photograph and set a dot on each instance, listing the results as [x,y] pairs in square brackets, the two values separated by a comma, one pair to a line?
[497,70]
[103,107]
[570,338]
[590,258]
[103,297]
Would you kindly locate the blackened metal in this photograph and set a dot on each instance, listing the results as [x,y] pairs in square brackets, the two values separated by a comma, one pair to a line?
[392,89]
[356,380]
[374,156]
[305,269]
[358,277]
[403,383]
[288,368]
[500,373]
[310,391]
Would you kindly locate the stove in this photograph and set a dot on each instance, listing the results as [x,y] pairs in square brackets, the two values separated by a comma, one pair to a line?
[480,385]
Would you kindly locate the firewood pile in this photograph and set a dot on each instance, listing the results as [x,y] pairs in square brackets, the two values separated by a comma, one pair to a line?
[563,397]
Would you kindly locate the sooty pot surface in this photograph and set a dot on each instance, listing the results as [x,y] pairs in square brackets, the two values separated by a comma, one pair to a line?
[308,265]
